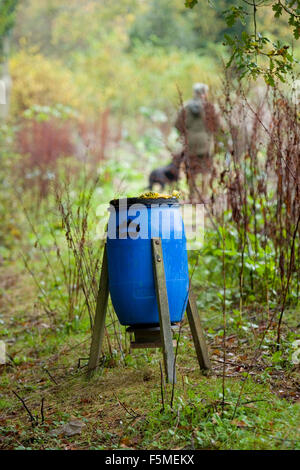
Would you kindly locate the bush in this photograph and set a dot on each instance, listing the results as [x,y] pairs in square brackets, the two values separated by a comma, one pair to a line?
[39,80]
[147,76]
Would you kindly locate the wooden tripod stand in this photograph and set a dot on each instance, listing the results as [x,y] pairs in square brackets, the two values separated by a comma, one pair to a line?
[164,318]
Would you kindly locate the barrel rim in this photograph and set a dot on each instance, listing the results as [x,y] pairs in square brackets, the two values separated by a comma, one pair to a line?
[172,201]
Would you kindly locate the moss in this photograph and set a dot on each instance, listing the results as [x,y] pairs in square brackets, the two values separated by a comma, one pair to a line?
[153,195]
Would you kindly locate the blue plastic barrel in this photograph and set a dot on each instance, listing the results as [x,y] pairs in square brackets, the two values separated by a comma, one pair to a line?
[132,224]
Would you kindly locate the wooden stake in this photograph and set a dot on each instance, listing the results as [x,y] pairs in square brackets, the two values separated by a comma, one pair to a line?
[163,309]
[99,323]
[164,318]
[197,333]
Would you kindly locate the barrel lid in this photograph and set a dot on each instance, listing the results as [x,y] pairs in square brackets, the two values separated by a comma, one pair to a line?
[173,201]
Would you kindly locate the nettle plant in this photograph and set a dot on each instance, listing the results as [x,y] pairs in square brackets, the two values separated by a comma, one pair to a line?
[253,53]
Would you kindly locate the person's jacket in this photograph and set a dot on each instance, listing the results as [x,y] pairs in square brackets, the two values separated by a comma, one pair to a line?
[193,124]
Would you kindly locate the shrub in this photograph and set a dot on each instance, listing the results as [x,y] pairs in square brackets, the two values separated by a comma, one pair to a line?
[39,80]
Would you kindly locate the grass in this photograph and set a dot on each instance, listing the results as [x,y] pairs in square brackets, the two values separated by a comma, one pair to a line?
[45,364]
[122,407]
[199,421]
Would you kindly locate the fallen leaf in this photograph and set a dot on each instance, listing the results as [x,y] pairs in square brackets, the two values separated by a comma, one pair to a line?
[125,442]
[217,352]
[239,424]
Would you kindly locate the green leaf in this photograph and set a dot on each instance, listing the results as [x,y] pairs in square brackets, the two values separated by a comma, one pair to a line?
[190,3]
[277,8]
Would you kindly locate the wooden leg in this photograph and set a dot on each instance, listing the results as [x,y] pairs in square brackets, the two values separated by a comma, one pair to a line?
[163,310]
[99,323]
[197,333]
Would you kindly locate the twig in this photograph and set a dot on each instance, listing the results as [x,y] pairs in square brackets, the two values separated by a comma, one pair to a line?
[251,365]
[130,412]
[42,410]
[162,387]
[32,418]
[224,315]
[179,334]
[51,376]
[287,282]
[79,362]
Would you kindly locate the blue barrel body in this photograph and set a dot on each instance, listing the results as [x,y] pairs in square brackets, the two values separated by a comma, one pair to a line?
[129,253]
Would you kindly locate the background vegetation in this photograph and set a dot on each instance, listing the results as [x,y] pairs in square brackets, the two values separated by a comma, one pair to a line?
[95,89]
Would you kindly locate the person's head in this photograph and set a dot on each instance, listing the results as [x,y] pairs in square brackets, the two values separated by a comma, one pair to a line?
[200,90]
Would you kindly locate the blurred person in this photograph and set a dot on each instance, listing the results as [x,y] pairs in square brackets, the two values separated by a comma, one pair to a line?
[197,122]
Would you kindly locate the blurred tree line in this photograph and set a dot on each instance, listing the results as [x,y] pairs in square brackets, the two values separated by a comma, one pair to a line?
[57,27]
[157,22]
[170,24]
